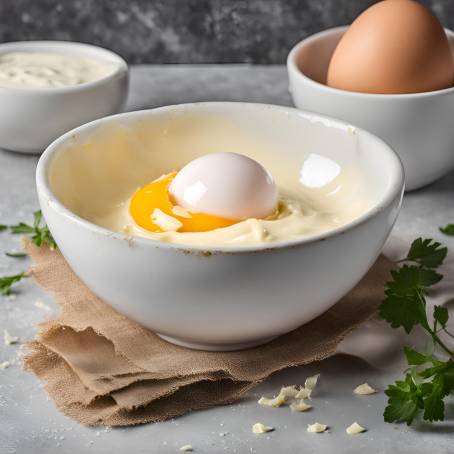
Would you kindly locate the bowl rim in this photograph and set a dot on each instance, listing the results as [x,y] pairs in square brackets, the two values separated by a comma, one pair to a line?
[293,68]
[104,54]
[44,191]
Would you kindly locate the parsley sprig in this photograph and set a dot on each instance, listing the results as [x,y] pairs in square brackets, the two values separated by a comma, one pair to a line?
[39,234]
[428,379]
[448,229]
[16,255]
[6,282]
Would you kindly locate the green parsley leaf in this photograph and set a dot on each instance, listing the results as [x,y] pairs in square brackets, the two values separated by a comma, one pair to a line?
[404,401]
[409,278]
[404,311]
[448,374]
[415,358]
[429,379]
[37,218]
[438,367]
[7,282]
[427,253]
[442,384]
[434,407]
[16,255]
[441,315]
[404,304]
[3,227]
[39,234]
[447,230]
[22,228]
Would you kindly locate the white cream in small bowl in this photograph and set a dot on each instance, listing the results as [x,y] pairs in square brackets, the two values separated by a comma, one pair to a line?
[50,87]
[224,289]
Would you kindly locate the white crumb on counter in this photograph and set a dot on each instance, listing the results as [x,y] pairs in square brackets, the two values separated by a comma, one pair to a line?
[355,428]
[277,401]
[288,392]
[309,386]
[187,448]
[292,392]
[259,428]
[364,389]
[4,365]
[300,406]
[311,382]
[40,305]
[316,428]
[9,339]
[304,393]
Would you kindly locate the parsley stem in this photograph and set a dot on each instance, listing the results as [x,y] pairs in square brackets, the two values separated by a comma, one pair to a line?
[438,341]
[434,334]
[428,380]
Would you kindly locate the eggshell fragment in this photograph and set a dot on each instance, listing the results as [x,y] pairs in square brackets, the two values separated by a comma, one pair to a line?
[316,428]
[354,429]
[259,428]
[300,406]
[364,389]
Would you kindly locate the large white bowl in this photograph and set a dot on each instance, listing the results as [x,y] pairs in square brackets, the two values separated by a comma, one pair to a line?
[418,126]
[31,118]
[227,297]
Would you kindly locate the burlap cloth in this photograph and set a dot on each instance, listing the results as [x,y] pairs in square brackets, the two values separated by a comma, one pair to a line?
[101,368]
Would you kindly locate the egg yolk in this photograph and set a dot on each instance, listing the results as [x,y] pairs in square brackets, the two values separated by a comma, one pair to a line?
[155,195]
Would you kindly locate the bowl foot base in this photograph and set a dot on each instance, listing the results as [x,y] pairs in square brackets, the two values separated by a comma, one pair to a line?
[216,347]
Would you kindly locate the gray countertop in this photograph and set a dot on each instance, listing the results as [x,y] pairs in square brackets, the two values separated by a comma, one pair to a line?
[30,423]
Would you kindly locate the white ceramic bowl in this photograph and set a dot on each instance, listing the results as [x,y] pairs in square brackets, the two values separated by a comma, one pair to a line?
[417,126]
[31,118]
[227,297]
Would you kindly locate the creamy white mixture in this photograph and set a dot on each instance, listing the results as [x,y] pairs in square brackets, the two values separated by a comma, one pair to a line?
[296,218]
[50,70]
[97,176]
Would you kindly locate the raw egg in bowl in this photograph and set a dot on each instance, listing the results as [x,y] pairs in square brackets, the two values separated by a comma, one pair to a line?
[220,226]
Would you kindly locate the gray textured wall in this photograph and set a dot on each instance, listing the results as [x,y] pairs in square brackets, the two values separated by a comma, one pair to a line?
[185,31]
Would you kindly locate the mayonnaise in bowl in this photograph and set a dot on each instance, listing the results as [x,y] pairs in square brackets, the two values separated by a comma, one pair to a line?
[50,69]
[97,177]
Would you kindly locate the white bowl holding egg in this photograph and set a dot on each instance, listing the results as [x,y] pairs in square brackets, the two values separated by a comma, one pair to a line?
[213,294]
[32,114]
[418,125]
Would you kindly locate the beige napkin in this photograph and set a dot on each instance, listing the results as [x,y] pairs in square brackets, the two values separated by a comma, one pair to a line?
[101,368]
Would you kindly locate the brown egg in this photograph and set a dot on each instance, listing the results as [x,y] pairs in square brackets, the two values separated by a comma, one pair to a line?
[395,46]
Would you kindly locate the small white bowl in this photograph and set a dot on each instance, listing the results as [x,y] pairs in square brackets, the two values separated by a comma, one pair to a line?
[31,118]
[229,297]
[418,126]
